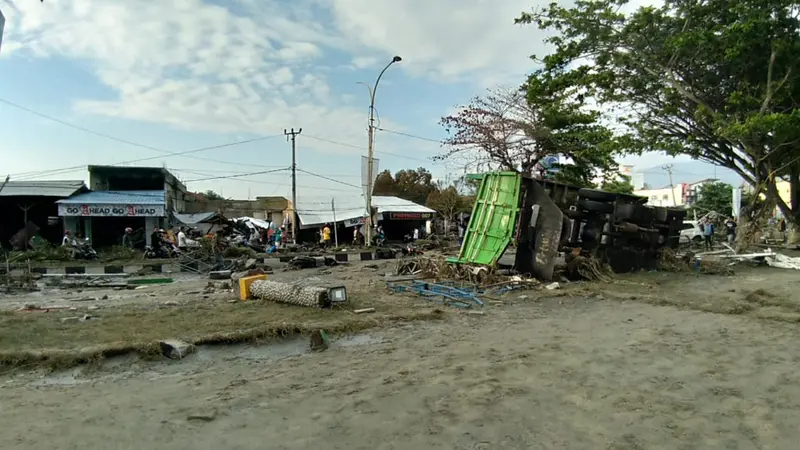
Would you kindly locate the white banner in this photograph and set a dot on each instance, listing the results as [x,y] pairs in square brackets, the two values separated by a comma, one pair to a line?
[736,207]
[365,183]
[111,210]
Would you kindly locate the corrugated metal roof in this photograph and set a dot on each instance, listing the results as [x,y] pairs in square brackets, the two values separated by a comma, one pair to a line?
[317,212]
[50,188]
[193,218]
[117,198]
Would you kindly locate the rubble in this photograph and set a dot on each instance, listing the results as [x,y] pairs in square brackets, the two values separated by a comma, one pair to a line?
[176,348]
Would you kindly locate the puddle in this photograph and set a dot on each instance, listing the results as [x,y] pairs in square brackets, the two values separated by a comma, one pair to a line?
[127,366]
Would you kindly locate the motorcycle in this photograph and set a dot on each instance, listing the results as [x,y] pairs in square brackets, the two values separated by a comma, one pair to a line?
[166,251]
[83,250]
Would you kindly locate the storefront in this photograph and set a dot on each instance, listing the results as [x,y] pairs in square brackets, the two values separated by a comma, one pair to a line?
[398,224]
[102,216]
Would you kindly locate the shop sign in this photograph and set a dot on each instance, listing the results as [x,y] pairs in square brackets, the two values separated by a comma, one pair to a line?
[358,221]
[410,216]
[111,210]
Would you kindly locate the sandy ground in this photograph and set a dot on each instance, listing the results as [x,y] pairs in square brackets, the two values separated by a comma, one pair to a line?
[593,368]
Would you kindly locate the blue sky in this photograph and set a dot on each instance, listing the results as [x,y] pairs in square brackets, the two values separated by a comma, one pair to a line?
[182,75]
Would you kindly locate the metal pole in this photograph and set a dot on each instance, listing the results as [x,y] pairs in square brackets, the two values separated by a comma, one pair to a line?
[371,150]
[335,229]
[293,135]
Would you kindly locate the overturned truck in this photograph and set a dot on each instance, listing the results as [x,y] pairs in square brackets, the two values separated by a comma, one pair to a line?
[538,220]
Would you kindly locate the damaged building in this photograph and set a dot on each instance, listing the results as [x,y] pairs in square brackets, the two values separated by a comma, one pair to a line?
[30,209]
[140,198]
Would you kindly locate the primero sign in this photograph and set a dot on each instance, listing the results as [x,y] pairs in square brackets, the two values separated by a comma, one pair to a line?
[111,210]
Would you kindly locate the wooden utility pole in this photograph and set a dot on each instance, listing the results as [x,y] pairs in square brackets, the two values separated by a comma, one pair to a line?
[293,136]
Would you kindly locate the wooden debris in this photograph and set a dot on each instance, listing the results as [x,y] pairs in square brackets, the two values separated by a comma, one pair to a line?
[364,311]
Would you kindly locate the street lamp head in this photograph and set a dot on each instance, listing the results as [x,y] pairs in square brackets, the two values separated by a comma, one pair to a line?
[396,59]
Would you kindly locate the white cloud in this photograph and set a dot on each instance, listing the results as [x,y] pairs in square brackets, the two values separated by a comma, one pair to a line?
[260,66]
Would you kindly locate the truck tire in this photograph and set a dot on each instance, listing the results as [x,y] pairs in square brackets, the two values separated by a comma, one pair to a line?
[595,206]
[598,196]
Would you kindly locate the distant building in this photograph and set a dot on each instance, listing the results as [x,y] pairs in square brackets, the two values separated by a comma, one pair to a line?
[681,195]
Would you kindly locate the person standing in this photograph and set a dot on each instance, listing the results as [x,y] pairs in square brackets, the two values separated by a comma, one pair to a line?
[182,240]
[67,240]
[127,238]
[708,235]
[730,230]
[782,227]
[278,237]
[355,235]
[326,236]
[219,248]
[415,235]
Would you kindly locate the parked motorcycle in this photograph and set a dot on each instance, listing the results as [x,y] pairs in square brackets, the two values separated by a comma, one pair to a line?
[83,250]
[166,251]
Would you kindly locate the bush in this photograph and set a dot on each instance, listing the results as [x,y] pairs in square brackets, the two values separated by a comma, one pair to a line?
[44,252]
[119,253]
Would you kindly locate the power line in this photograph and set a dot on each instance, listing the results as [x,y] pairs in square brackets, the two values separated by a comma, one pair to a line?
[344,144]
[329,179]
[412,136]
[249,174]
[123,141]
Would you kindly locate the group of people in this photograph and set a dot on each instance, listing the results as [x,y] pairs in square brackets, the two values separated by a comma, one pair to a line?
[708,229]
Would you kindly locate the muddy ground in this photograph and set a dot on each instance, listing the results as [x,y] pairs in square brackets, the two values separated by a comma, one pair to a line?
[667,361]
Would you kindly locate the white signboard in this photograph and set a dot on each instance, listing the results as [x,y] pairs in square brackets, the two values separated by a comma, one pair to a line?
[2,24]
[355,222]
[111,210]
[366,184]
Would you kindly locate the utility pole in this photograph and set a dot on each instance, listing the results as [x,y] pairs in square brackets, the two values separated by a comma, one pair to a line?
[371,150]
[668,168]
[335,232]
[293,136]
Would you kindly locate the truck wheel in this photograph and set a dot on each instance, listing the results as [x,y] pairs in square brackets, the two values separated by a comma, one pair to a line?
[598,196]
[595,206]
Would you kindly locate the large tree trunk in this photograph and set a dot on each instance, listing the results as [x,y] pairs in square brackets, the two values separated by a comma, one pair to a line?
[754,216]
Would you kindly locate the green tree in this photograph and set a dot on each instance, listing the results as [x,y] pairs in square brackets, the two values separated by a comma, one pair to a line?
[412,185]
[448,202]
[718,80]
[716,196]
[511,132]
[211,195]
[620,183]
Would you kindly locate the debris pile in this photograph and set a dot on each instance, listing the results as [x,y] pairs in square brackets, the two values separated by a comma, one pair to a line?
[438,268]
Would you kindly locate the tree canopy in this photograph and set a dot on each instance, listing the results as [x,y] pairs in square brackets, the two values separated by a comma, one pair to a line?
[211,195]
[716,196]
[621,184]
[510,131]
[717,80]
[413,185]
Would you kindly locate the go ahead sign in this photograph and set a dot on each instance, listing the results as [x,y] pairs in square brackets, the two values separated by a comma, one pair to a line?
[111,210]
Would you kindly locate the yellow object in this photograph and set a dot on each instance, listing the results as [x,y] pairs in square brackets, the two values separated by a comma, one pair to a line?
[244,285]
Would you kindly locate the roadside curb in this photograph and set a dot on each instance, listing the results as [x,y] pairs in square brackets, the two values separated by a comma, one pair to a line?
[169,267]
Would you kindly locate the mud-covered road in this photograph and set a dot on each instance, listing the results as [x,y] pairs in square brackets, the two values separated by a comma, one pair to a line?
[585,372]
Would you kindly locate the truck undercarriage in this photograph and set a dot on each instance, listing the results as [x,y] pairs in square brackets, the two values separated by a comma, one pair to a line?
[544,219]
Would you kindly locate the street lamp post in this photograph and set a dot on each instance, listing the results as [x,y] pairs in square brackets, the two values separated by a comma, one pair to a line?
[371,150]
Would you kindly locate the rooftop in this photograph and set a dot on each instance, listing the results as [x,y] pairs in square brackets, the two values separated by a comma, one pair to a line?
[315,212]
[50,188]
[116,198]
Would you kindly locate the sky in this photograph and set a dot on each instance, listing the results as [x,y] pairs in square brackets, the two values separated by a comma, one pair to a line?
[108,82]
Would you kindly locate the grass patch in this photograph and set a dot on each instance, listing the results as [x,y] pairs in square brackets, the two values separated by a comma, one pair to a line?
[44,340]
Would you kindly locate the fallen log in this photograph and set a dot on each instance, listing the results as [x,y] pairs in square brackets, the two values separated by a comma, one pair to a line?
[291,294]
